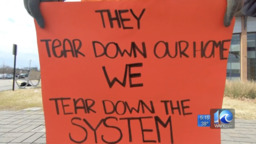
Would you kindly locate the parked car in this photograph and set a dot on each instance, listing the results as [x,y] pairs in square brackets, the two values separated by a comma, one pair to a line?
[8,76]
[23,75]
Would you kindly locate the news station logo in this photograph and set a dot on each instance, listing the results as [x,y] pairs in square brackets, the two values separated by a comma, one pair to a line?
[222,118]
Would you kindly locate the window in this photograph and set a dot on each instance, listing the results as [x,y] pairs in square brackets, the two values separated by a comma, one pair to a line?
[251,56]
[233,67]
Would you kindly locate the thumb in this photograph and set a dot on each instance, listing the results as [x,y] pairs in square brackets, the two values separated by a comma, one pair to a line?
[35,12]
[233,6]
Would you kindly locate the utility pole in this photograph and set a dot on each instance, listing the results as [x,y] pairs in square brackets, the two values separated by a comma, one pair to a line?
[243,49]
[29,65]
[3,71]
[14,65]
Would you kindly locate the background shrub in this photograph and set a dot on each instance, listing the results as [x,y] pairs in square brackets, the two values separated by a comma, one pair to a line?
[239,89]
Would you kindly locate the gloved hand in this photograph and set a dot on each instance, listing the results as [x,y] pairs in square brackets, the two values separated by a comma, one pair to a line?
[234,7]
[239,7]
[32,6]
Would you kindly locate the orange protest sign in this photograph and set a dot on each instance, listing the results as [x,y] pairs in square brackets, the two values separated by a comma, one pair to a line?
[132,71]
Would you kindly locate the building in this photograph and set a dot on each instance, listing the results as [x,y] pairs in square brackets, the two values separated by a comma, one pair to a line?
[242,56]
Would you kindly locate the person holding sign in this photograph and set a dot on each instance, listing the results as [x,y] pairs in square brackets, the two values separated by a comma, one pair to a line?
[139,71]
[248,7]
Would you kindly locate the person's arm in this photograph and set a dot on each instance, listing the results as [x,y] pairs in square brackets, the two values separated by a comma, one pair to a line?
[32,7]
[249,8]
[233,7]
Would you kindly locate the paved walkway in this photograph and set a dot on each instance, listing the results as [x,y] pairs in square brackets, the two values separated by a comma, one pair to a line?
[27,127]
[22,127]
[243,133]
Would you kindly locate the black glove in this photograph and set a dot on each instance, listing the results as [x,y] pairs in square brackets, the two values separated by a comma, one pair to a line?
[239,7]
[233,7]
[32,6]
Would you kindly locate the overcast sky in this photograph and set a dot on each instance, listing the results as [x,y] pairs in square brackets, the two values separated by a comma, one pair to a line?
[17,27]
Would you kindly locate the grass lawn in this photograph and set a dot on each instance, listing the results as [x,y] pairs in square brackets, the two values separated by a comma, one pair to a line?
[26,98]
[244,109]
[20,99]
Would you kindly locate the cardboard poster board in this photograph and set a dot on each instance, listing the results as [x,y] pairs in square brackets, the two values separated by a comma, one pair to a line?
[132,71]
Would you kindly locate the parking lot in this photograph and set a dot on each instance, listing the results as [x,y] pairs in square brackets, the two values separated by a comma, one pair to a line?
[6,84]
